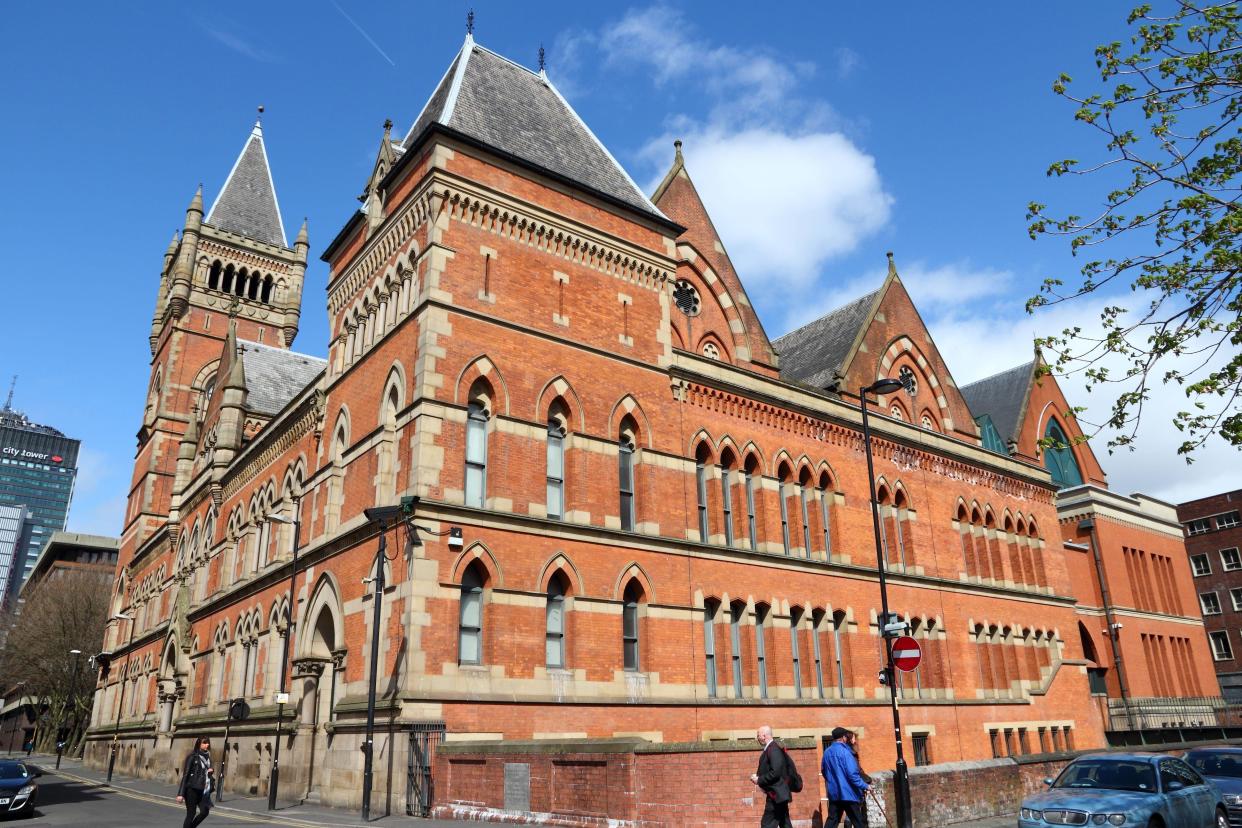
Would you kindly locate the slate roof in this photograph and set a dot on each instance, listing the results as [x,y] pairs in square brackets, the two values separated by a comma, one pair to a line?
[813,353]
[1002,397]
[500,104]
[247,201]
[275,376]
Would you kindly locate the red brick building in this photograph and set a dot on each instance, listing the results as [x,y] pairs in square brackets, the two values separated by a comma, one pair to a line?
[667,535]
[1138,622]
[1213,539]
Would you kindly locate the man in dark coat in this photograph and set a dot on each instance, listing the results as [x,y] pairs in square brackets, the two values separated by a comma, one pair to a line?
[772,780]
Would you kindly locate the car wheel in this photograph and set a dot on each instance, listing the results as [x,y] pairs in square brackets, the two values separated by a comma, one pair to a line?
[1222,818]
[1156,822]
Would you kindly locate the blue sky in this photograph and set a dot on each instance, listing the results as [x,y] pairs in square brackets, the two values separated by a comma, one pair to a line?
[821,136]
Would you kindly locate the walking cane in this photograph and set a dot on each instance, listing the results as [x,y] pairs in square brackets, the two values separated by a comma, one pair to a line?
[876,800]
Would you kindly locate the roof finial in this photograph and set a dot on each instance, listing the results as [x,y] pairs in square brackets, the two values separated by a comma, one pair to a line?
[677,147]
[8,404]
[260,112]
[892,267]
[387,125]
[542,58]
[470,23]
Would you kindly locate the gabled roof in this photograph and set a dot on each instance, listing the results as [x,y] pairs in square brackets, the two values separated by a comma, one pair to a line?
[815,353]
[247,202]
[507,107]
[274,376]
[1002,397]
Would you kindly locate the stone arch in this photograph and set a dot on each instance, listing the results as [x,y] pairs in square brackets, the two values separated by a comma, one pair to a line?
[629,407]
[633,571]
[703,447]
[752,452]
[727,445]
[707,342]
[784,459]
[174,663]
[901,346]
[560,562]
[478,551]
[560,388]
[481,367]
[323,632]
[340,436]
[396,380]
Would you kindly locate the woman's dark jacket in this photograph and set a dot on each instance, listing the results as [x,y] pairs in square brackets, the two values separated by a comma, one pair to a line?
[194,774]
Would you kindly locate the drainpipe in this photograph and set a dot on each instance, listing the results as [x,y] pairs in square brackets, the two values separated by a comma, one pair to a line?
[1089,525]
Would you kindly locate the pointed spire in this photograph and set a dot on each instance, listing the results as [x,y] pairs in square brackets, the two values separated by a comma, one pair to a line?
[247,202]
[303,238]
[892,267]
[196,204]
[8,403]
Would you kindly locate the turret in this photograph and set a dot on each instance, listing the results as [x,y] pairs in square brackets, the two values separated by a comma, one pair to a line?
[293,298]
[161,298]
[230,430]
[183,270]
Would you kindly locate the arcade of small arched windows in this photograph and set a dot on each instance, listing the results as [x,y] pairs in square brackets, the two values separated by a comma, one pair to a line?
[1011,553]
[242,282]
[1012,659]
[386,303]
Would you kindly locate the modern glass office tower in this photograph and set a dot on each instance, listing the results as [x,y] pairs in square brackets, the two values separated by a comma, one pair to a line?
[38,466]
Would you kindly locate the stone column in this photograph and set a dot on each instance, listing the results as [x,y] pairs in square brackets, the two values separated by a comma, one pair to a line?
[309,672]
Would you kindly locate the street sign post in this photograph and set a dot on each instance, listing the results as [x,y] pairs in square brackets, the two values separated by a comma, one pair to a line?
[907,654]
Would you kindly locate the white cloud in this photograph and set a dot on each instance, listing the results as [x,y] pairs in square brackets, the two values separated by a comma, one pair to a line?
[802,199]
[236,43]
[847,61]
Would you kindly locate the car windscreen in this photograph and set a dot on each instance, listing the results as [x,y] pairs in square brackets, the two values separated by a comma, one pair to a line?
[1109,774]
[1216,763]
[12,770]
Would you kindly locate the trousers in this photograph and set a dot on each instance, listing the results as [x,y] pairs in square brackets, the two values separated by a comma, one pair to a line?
[775,815]
[855,813]
[195,800]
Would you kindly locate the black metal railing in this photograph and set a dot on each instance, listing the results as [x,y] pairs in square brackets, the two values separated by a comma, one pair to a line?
[1152,720]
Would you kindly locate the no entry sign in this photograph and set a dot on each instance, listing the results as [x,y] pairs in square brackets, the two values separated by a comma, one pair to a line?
[907,654]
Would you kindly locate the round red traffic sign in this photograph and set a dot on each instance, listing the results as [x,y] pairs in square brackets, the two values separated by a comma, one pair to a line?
[907,654]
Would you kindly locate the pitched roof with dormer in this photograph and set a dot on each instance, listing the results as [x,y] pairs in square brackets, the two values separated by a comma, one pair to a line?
[247,202]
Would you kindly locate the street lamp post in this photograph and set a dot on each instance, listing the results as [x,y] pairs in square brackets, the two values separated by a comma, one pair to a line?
[116,733]
[73,692]
[274,782]
[382,515]
[901,774]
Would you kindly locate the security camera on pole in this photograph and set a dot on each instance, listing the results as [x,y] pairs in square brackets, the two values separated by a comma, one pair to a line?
[891,624]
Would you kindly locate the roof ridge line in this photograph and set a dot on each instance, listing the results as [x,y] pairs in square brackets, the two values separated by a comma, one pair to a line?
[998,373]
[601,145]
[450,105]
[435,89]
[860,297]
[509,60]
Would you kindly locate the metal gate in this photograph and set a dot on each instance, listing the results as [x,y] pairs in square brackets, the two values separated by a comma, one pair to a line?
[420,787]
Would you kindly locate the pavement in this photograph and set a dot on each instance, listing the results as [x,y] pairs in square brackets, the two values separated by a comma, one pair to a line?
[77,796]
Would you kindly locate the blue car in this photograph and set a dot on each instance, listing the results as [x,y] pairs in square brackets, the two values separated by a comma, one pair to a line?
[17,788]
[1147,790]
[1222,766]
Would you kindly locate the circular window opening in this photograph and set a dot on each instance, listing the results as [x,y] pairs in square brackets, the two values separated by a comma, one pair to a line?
[908,380]
[711,351]
[686,298]
[896,413]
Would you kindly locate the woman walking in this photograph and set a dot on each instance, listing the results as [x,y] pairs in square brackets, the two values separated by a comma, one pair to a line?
[197,781]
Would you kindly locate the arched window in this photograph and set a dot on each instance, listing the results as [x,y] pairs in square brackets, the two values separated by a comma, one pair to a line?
[817,624]
[727,462]
[825,508]
[838,648]
[710,609]
[1059,458]
[751,474]
[795,622]
[627,442]
[227,284]
[477,415]
[239,282]
[782,493]
[266,295]
[557,421]
[761,648]
[804,486]
[213,275]
[470,635]
[252,289]
[736,611]
[702,456]
[555,617]
[629,625]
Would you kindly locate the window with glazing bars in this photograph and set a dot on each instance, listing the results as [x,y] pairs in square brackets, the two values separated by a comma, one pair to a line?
[726,502]
[709,647]
[556,470]
[476,455]
[625,471]
[735,641]
[750,510]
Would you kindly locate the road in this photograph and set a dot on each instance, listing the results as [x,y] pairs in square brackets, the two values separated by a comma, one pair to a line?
[69,803]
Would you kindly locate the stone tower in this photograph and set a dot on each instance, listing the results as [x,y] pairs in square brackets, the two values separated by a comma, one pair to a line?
[230,269]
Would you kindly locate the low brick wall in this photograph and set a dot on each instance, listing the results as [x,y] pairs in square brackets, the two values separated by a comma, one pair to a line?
[614,782]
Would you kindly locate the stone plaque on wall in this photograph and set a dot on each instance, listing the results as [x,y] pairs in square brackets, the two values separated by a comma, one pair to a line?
[517,786]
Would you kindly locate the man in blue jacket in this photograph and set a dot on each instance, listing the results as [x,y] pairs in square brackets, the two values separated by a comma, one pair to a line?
[846,787]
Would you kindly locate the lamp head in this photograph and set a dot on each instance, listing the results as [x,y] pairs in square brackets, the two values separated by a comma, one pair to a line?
[884,386]
[280,519]
[120,616]
[75,652]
